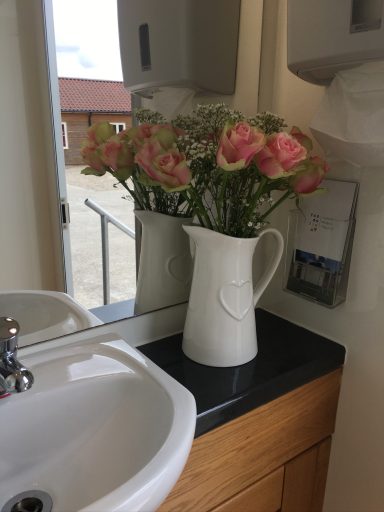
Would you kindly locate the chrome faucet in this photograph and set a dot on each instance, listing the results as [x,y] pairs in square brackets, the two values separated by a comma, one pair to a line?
[14,377]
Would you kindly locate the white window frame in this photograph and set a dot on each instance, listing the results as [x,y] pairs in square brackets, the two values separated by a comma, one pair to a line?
[116,125]
[65,133]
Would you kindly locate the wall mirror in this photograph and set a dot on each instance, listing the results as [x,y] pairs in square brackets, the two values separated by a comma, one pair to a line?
[26,193]
[92,204]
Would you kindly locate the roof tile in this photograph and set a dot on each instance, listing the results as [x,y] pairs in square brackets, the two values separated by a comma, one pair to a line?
[84,95]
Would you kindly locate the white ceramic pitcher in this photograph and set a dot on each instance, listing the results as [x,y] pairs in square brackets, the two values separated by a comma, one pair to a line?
[220,328]
[165,267]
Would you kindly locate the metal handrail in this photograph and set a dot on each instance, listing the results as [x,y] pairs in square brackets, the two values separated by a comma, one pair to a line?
[105,218]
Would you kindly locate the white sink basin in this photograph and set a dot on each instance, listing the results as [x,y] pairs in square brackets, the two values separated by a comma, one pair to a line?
[103,429]
[44,315]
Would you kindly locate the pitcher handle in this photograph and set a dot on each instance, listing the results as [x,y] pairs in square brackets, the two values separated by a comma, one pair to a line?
[271,268]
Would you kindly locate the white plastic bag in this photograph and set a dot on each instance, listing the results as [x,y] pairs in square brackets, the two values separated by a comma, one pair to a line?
[349,124]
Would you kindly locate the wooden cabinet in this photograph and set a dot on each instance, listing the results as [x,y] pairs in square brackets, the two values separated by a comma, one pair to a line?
[262,496]
[305,479]
[270,459]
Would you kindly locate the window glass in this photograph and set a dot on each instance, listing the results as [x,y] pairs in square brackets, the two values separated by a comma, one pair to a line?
[119,127]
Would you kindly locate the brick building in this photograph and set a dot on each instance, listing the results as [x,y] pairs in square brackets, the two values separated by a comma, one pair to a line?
[84,102]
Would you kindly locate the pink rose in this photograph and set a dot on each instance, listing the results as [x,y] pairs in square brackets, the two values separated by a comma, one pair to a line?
[280,155]
[166,167]
[165,133]
[117,155]
[100,132]
[167,126]
[238,146]
[91,156]
[308,179]
[316,160]
[303,139]
[109,152]
[138,134]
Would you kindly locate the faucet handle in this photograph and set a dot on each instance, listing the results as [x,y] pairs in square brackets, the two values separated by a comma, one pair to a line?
[9,330]
[14,377]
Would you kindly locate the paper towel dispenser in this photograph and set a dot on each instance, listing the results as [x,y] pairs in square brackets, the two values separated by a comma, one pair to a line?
[187,43]
[326,36]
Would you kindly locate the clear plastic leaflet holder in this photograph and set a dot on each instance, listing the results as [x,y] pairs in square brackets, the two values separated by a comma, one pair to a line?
[312,276]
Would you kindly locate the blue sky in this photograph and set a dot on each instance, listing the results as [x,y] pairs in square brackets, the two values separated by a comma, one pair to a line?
[87,41]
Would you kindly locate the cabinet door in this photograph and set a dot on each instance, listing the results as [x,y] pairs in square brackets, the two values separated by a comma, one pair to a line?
[230,458]
[305,479]
[263,496]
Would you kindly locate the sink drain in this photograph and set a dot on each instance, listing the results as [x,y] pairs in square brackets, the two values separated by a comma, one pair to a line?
[29,501]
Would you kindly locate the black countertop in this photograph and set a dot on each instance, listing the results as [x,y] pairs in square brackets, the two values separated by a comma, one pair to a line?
[288,357]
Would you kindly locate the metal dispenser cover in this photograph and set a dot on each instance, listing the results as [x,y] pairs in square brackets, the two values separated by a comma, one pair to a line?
[186,43]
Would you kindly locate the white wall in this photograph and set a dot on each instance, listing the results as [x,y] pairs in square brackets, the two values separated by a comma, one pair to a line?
[30,242]
[355,481]
[248,57]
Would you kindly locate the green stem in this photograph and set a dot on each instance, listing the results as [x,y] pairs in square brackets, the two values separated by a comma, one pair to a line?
[251,186]
[278,203]
[221,218]
[256,197]
[159,200]
[199,208]
[192,209]
[235,210]
[135,196]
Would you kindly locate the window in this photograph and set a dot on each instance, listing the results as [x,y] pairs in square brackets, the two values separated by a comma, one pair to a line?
[64,133]
[119,127]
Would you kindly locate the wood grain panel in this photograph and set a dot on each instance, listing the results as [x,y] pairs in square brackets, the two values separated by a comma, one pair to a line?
[232,457]
[305,479]
[324,452]
[263,496]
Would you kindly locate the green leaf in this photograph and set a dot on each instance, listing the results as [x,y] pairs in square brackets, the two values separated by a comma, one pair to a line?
[123,173]
[89,171]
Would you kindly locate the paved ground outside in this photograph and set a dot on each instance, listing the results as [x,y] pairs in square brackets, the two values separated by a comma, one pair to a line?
[86,239]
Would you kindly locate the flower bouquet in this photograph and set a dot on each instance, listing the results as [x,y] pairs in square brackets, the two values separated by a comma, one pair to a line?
[215,164]
[145,161]
[237,163]
[229,173]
